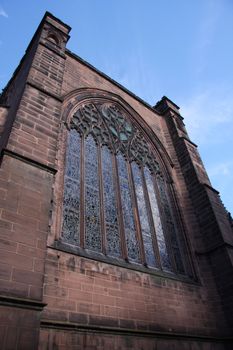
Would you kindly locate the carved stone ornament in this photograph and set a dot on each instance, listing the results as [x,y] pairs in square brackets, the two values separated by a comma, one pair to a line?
[111,127]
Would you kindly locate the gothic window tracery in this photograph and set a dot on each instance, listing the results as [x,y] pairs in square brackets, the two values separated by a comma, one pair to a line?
[115,199]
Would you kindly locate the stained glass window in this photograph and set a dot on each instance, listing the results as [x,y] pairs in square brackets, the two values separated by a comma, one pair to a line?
[127,208]
[71,198]
[92,202]
[143,216]
[115,198]
[165,261]
[170,225]
[110,205]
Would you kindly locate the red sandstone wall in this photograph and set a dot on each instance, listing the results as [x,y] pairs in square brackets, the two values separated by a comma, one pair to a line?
[19,328]
[25,204]
[35,130]
[63,340]
[78,75]
[11,95]
[80,292]
[26,180]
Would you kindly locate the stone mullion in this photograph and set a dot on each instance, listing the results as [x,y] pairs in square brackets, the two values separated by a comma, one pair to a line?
[82,192]
[136,215]
[165,226]
[101,196]
[119,209]
[151,221]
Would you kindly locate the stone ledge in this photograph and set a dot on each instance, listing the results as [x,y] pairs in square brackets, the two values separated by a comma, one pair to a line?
[30,161]
[65,326]
[21,303]
[71,249]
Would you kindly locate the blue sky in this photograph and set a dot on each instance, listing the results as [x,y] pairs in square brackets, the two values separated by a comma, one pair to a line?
[179,48]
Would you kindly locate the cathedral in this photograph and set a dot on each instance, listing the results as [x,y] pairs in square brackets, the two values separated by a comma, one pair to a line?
[111,234]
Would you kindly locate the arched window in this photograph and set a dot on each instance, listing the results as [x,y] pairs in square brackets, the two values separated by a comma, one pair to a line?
[116,201]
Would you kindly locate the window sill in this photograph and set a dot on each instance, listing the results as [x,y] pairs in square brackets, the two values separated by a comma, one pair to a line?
[72,249]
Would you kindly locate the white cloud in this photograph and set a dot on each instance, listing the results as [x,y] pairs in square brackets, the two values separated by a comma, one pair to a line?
[209,119]
[3,12]
[134,76]
[221,169]
[221,174]
[209,115]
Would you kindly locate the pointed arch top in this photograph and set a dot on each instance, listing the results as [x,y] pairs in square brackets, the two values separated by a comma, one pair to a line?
[77,98]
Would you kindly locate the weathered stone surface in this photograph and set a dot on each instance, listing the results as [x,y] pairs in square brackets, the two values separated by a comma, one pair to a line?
[54,296]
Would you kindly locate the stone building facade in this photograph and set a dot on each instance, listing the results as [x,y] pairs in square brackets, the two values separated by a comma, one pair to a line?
[112,236]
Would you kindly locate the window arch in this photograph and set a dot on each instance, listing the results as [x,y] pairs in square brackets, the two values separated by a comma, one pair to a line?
[116,200]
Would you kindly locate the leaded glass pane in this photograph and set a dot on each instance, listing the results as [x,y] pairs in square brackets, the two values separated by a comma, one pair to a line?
[127,208]
[170,225]
[92,202]
[165,261]
[143,216]
[110,208]
[110,127]
[71,199]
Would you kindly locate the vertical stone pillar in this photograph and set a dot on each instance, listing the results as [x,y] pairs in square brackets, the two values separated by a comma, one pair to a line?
[29,134]
[215,227]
